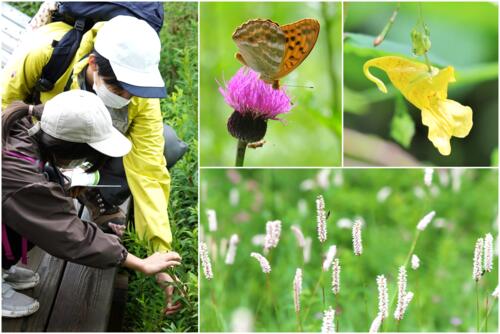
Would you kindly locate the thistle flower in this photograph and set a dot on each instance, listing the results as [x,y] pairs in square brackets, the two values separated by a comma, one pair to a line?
[254,103]
[328,318]
[321,218]
[301,241]
[488,252]
[356,238]
[231,252]
[422,224]
[212,220]
[428,176]
[336,276]
[400,306]
[415,262]
[495,293]
[376,324]
[264,264]
[428,92]
[205,261]
[477,269]
[383,297]
[332,251]
[273,232]
[297,289]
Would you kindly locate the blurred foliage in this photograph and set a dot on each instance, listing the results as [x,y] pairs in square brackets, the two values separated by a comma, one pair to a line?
[179,68]
[466,205]
[463,35]
[316,113]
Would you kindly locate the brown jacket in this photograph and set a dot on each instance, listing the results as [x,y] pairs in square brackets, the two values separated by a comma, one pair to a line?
[40,211]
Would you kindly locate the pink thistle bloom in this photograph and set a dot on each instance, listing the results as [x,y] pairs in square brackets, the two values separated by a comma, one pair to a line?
[254,102]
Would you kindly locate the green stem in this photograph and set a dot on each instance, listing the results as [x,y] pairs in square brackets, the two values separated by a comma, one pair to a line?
[486,316]
[313,293]
[427,62]
[299,324]
[271,299]
[477,305]
[398,323]
[365,288]
[485,322]
[380,38]
[240,153]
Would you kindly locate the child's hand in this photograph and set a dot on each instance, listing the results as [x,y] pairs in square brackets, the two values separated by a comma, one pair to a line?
[159,261]
[163,280]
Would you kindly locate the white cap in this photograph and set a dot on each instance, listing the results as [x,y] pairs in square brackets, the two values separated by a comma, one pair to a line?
[133,48]
[81,117]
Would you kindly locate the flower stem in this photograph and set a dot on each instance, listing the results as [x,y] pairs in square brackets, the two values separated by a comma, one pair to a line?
[486,316]
[240,153]
[299,324]
[380,38]
[477,305]
[398,323]
[485,322]
[313,293]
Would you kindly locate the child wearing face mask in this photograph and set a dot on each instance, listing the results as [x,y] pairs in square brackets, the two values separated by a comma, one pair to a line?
[74,125]
[118,61]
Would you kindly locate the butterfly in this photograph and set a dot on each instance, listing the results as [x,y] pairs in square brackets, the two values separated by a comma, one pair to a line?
[274,50]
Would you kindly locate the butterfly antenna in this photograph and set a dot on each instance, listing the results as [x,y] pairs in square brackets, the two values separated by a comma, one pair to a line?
[299,86]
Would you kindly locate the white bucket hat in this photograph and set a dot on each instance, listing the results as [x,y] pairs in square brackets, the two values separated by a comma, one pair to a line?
[81,117]
[133,48]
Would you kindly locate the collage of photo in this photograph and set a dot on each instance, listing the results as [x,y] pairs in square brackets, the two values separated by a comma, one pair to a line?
[250,166]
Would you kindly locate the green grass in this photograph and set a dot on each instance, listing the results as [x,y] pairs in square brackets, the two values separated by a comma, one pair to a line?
[443,285]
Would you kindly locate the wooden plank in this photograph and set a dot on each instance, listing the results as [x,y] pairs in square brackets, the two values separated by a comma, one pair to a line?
[117,313]
[83,301]
[50,270]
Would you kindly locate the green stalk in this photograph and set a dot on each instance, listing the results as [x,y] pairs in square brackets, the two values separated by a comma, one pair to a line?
[240,153]
[380,38]
[477,305]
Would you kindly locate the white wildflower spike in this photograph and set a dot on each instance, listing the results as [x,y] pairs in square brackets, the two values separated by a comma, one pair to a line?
[383,194]
[406,301]
[301,241]
[428,176]
[488,252]
[336,276]
[495,293]
[231,252]
[273,233]
[477,269]
[422,224]
[264,264]
[330,255]
[307,250]
[328,318]
[383,297]
[356,238]
[338,179]
[399,312]
[212,220]
[321,218]
[415,262]
[297,289]
[205,261]
[376,324]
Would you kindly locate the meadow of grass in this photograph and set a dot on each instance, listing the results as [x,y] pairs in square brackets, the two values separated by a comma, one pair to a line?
[316,112]
[391,202]
[179,68]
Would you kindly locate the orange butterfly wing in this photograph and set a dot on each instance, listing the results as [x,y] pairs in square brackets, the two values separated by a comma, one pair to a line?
[300,38]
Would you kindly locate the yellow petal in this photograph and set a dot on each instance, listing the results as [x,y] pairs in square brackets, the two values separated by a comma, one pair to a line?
[428,91]
[445,119]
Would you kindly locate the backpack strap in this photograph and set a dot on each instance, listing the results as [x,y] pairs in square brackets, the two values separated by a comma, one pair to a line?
[62,55]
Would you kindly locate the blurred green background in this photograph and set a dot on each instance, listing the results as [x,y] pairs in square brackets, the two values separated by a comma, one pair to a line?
[464,35]
[465,202]
[312,134]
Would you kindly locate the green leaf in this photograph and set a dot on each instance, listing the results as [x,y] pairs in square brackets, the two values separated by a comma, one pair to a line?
[494,157]
[402,125]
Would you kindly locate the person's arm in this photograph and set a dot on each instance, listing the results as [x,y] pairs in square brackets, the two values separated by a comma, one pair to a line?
[147,174]
[152,264]
[43,214]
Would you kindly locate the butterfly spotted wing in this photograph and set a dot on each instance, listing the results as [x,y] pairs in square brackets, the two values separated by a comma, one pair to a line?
[272,50]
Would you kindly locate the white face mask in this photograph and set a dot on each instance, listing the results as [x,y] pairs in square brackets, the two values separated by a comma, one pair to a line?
[109,98]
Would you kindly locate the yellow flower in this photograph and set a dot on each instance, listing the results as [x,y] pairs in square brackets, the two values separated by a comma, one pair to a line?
[426,91]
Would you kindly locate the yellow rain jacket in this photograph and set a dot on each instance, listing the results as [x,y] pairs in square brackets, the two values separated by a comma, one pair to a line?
[145,165]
